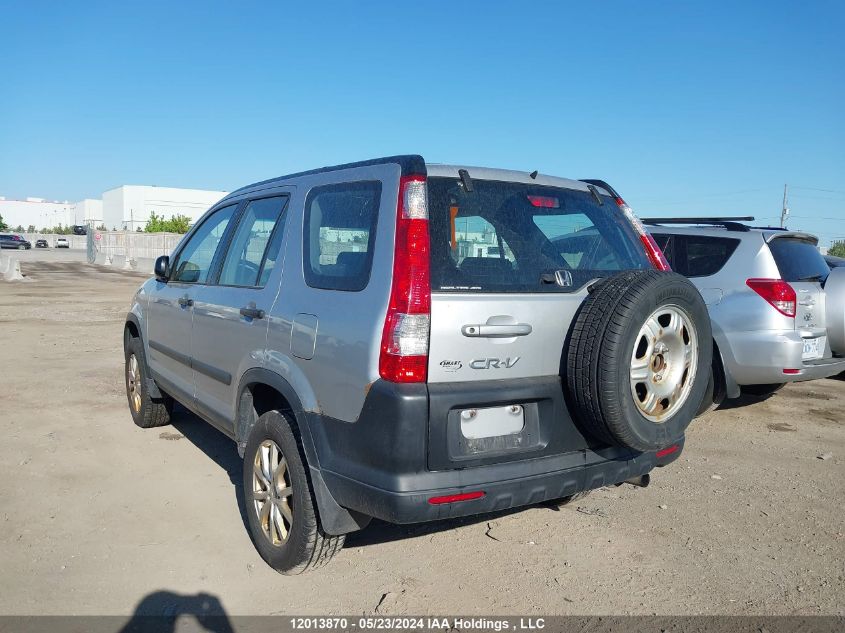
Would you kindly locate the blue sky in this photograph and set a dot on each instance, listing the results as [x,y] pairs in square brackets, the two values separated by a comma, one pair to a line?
[704,108]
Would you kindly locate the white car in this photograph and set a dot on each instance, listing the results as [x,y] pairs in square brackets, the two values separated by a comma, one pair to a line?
[62,242]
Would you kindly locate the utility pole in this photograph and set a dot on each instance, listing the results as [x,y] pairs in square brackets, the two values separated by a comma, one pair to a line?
[784,214]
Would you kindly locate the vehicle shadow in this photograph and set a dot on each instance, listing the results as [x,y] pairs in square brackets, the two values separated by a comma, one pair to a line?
[743,401]
[159,611]
[221,449]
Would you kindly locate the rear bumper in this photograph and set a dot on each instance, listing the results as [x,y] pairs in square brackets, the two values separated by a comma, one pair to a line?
[380,465]
[759,358]
[501,490]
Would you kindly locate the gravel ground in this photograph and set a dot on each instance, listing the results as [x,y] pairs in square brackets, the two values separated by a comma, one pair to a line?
[98,515]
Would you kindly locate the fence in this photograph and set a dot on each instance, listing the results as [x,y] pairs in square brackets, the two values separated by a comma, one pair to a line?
[129,249]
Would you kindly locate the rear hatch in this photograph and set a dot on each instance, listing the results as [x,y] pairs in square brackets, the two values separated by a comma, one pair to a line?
[510,265]
[802,266]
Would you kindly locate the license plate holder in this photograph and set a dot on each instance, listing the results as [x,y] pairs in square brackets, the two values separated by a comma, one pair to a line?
[813,348]
[492,422]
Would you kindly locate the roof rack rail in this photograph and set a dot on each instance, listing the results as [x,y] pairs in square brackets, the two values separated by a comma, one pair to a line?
[730,223]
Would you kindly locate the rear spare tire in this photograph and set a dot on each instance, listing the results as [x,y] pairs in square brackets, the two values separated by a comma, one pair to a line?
[638,359]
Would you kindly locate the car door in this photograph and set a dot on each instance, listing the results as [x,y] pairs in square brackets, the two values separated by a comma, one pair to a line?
[170,308]
[230,324]
[803,267]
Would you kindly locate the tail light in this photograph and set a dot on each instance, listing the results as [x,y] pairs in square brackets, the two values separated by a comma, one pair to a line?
[404,342]
[652,250]
[779,294]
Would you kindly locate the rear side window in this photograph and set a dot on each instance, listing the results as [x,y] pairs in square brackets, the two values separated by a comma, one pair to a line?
[340,223]
[696,255]
[515,237]
[798,260]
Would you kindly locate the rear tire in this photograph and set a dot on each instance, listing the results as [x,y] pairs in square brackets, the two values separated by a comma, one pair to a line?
[638,359]
[761,391]
[280,504]
[146,412]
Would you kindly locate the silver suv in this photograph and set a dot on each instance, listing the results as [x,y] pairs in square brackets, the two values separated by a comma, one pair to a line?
[777,310]
[413,342]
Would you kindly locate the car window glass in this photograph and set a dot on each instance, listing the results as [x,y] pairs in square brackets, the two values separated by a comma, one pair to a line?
[514,237]
[340,222]
[194,260]
[798,259]
[706,256]
[247,248]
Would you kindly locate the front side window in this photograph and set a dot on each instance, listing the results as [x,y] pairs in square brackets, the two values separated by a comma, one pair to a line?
[339,234]
[245,263]
[194,261]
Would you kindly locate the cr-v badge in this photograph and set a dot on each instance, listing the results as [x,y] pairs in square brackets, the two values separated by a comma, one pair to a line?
[494,363]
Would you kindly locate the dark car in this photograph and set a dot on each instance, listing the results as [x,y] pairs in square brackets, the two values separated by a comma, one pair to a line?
[41,244]
[14,241]
[834,262]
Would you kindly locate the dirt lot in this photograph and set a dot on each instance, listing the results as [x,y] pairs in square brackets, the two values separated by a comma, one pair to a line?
[98,515]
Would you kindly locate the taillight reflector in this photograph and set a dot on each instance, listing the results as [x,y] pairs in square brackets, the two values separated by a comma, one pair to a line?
[779,294]
[404,343]
[792,371]
[663,452]
[465,496]
[652,250]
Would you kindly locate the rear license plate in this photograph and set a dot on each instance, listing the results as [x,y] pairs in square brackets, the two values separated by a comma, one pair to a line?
[813,348]
[493,422]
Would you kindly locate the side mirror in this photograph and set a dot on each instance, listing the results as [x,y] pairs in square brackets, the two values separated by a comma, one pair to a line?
[162,268]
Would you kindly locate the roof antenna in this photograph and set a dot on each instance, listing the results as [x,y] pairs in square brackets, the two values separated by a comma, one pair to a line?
[464,174]
[533,175]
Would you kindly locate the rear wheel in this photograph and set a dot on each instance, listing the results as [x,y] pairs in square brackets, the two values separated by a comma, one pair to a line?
[281,508]
[761,391]
[21,247]
[637,363]
[147,412]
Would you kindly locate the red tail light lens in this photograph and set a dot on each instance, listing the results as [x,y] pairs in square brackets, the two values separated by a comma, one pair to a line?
[779,294]
[652,250]
[404,343]
[546,202]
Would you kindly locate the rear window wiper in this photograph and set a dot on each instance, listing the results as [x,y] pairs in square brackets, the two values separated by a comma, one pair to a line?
[816,277]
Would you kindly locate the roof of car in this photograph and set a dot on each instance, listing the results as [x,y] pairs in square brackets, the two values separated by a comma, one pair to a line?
[719,230]
[413,163]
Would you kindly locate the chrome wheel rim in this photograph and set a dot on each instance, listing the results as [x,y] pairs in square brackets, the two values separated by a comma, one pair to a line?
[133,382]
[663,363]
[272,493]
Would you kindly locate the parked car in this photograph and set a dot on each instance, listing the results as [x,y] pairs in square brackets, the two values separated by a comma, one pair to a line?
[408,341]
[777,310]
[62,242]
[42,243]
[11,240]
[833,261]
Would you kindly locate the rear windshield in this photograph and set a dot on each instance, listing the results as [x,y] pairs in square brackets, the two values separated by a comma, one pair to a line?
[798,260]
[514,237]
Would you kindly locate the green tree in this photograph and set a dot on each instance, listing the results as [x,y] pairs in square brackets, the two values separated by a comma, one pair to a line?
[837,249]
[3,225]
[159,224]
[19,228]
[30,228]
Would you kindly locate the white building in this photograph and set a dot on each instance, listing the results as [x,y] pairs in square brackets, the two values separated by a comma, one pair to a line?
[36,212]
[129,206]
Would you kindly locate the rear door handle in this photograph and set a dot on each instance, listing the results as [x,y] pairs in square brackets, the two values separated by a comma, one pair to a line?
[252,313]
[185,302]
[496,331]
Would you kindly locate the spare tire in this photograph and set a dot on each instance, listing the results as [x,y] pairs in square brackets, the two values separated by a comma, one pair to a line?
[638,359]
